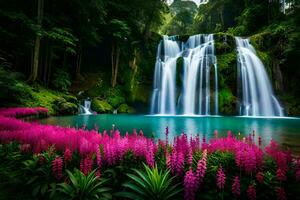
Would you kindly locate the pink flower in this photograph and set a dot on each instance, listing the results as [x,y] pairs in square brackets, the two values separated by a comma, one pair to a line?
[190,157]
[280,193]
[250,161]
[281,174]
[68,155]
[221,178]
[98,157]
[201,167]
[251,192]
[260,177]
[190,185]
[57,164]
[150,154]
[236,187]
[175,162]
[86,165]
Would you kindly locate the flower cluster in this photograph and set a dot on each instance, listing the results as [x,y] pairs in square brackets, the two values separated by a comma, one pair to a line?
[99,150]
[22,112]
[57,165]
[221,178]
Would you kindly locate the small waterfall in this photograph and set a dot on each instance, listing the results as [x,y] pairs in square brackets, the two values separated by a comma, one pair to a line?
[86,107]
[198,58]
[257,94]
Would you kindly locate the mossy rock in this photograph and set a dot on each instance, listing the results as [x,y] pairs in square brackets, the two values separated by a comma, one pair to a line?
[124,108]
[63,107]
[101,106]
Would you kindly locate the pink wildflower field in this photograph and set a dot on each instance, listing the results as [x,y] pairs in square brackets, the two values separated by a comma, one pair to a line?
[228,166]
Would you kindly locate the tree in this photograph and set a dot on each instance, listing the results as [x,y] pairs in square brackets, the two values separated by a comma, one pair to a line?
[37,43]
[120,31]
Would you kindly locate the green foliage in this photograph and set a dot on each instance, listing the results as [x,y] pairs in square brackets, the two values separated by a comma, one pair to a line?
[124,108]
[65,37]
[115,100]
[41,180]
[151,184]
[84,187]
[101,106]
[61,80]
[227,102]
[119,29]
[12,90]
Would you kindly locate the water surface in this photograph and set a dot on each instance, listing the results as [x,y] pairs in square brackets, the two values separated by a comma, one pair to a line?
[286,131]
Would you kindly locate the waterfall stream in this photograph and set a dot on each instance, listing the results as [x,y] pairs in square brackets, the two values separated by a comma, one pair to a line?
[85,109]
[194,95]
[257,96]
[197,91]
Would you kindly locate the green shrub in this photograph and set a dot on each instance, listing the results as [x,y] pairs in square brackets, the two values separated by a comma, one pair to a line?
[101,106]
[61,80]
[84,187]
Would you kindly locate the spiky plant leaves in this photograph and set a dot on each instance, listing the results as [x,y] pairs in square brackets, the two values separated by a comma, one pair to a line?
[84,187]
[151,183]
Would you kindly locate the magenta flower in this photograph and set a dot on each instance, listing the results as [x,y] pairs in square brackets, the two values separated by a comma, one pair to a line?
[98,157]
[190,157]
[190,185]
[57,164]
[281,174]
[260,177]
[68,155]
[221,178]
[251,192]
[236,187]
[201,167]
[86,165]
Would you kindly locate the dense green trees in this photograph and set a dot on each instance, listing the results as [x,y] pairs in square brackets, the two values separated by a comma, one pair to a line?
[62,43]
[40,36]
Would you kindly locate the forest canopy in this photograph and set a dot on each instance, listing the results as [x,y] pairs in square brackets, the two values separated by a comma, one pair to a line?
[108,48]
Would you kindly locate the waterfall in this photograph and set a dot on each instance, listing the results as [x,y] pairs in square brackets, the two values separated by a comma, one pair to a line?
[257,96]
[198,58]
[85,109]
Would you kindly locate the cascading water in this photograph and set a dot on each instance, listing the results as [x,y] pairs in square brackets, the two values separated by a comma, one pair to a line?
[199,56]
[85,109]
[163,97]
[257,94]
[198,60]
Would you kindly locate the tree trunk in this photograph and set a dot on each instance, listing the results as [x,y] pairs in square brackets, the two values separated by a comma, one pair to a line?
[116,67]
[134,68]
[78,62]
[37,43]
[115,57]
[49,65]
[112,64]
